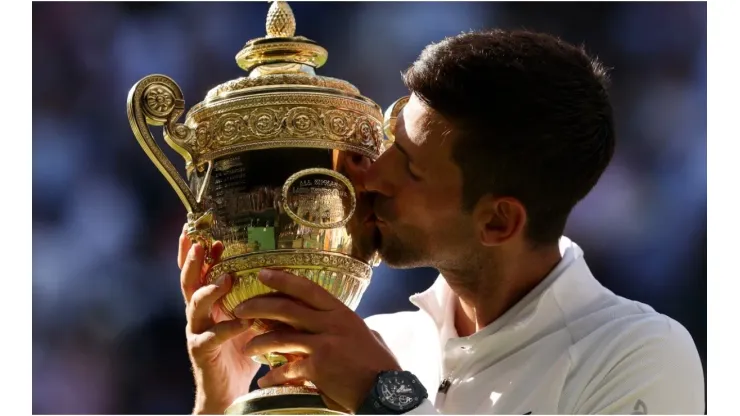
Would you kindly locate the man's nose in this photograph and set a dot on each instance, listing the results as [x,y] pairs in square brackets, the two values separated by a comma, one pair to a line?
[375,178]
[355,166]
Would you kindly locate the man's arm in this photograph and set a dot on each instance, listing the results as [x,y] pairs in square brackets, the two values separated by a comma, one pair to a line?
[662,376]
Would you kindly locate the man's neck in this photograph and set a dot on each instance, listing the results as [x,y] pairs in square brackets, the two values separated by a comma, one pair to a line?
[492,288]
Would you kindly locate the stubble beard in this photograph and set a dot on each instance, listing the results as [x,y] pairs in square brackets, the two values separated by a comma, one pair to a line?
[403,250]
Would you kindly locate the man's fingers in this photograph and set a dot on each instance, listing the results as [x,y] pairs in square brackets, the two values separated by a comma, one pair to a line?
[283,341]
[281,309]
[217,335]
[289,373]
[184,247]
[191,271]
[199,309]
[217,249]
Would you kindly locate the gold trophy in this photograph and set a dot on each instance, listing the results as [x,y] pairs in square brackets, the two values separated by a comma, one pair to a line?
[271,161]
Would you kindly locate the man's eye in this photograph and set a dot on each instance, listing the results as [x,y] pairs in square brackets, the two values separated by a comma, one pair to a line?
[411,173]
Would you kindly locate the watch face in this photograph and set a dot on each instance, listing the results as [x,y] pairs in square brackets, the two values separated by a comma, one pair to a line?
[399,391]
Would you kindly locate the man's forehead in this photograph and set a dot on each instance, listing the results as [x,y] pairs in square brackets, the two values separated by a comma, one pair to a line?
[418,123]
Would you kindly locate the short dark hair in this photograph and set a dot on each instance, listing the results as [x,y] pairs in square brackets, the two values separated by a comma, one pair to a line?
[530,115]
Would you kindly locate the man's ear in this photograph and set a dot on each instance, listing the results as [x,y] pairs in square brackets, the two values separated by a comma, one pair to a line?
[499,219]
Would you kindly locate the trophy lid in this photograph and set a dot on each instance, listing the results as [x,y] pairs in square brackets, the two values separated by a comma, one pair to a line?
[281,102]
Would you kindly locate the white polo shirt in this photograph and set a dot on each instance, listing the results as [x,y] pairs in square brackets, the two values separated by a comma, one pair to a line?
[569,347]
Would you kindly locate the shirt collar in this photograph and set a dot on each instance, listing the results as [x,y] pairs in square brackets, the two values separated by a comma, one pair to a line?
[438,300]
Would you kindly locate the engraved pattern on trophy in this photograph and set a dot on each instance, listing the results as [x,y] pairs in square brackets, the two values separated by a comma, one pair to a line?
[342,275]
[280,22]
[307,53]
[238,84]
[250,403]
[160,100]
[276,120]
[319,198]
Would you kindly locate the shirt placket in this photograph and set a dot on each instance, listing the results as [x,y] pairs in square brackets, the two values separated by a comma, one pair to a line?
[456,364]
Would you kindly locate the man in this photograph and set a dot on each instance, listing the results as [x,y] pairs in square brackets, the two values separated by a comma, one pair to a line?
[503,134]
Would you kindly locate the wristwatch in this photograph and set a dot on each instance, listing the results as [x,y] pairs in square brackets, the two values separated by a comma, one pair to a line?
[394,393]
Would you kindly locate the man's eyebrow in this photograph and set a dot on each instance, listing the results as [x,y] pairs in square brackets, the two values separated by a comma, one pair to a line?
[402,150]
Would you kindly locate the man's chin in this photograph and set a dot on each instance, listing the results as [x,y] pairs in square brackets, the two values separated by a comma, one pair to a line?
[397,265]
[395,257]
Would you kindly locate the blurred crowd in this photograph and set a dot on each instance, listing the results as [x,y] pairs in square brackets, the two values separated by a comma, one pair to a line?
[108,318]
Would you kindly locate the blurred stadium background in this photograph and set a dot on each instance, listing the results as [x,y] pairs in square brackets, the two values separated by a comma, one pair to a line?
[108,322]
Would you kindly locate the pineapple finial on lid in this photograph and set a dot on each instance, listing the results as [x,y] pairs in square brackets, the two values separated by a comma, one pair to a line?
[280,21]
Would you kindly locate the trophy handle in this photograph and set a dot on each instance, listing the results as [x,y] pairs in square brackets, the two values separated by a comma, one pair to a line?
[390,118]
[157,100]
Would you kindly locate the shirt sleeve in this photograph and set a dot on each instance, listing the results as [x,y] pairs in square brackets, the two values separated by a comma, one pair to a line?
[661,376]
[425,408]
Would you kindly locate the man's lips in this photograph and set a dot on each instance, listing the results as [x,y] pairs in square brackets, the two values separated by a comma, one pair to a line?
[370,218]
[373,219]
[379,221]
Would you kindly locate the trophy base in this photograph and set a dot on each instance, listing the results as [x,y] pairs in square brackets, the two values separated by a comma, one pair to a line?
[281,400]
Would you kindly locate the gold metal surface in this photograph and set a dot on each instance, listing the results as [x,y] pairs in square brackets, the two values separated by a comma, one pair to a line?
[343,276]
[246,404]
[224,90]
[321,207]
[272,164]
[390,118]
[280,21]
[283,116]
[157,100]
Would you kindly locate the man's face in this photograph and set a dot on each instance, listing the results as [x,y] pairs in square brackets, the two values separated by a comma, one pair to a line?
[360,226]
[418,191]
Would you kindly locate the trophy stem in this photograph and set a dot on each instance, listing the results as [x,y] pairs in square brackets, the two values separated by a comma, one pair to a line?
[287,399]
[272,360]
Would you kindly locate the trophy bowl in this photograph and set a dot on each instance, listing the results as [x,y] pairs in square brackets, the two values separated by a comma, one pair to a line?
[273,162]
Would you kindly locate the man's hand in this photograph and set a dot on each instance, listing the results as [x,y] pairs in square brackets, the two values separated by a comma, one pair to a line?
[222,371]
[342,356]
